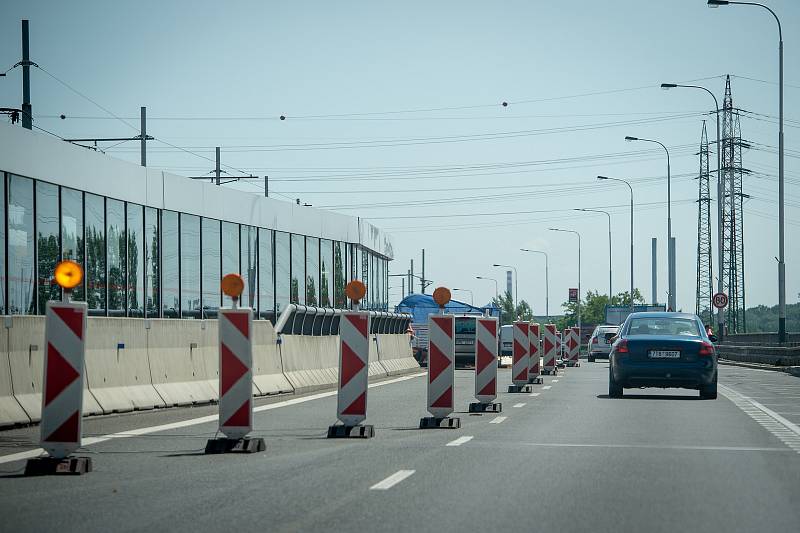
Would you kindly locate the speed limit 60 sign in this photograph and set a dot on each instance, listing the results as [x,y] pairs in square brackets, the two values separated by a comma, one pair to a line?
[720,300]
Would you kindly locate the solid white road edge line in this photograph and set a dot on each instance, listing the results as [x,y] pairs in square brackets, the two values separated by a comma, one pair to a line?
[498,420]
[392,480]
[460,440]
[88,441]
[786,423]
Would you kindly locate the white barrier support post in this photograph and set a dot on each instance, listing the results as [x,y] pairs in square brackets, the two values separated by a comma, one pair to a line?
[521,360]
[534,370]
[441,367]
[485,367]
[549,347]
[235,376]
[62,394]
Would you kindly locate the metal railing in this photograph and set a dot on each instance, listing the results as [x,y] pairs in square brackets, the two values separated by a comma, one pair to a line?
[319,321]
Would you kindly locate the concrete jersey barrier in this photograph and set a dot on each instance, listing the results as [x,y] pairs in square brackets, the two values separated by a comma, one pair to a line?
[11,412]
[395,353]
[310,363]
[268,377]
[183,360]
[26,361]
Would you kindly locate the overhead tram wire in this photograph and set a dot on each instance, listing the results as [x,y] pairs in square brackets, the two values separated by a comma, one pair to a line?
[434,140]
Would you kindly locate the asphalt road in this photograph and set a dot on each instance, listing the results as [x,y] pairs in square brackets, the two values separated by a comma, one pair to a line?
[566,459]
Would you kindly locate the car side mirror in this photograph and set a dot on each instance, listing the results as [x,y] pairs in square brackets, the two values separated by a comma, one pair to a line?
[712,338]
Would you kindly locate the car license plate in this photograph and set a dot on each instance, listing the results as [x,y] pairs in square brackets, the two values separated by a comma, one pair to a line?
[664,354]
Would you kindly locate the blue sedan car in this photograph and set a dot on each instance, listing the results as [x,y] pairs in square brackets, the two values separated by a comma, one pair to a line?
[659,349]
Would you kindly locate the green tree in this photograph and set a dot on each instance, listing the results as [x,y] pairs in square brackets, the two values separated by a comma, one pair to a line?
[508,313]
[594,306]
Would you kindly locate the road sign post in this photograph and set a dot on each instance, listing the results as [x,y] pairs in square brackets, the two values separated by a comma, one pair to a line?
[534,370]
[351,405]
[62,394]
[441,366]
[485,366]
[235,327]
[521,358]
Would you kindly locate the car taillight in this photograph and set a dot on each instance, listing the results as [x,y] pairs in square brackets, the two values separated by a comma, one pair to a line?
[594,340]
[621,347]
[706,348]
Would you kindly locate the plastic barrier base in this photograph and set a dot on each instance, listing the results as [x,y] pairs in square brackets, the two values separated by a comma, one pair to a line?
[535,381]
[519,388]
[477,407]
[226,445]
[340,431]
[431,422]
[50,466]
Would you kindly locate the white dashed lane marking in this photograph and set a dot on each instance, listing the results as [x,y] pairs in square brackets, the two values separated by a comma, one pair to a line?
[460,440]
[498,420]
[518,405]
[392,480]
[554,381]
[546,387]
[534,394]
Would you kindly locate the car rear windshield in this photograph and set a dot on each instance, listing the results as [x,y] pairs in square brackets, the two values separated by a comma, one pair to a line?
[465,326]
[663,326]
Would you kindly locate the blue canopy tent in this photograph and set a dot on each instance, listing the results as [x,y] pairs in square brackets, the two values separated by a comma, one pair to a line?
[422,305]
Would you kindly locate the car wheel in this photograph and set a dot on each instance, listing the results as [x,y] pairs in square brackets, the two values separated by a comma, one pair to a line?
[590,359]
[614,389]
[709,392]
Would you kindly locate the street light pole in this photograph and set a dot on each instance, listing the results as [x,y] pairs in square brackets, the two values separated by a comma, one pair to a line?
[781,256]
[631,190]
[579,271]
[516,284]
[720,314]
[606,213]
[670,249]
[546,280]
[471,296]
[496,294]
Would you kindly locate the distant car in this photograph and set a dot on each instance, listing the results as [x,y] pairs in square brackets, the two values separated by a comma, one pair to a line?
[507,341]
[600,342]
[465,341]
[660,349]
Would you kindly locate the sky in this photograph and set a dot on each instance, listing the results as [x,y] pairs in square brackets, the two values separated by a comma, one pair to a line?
[394,113]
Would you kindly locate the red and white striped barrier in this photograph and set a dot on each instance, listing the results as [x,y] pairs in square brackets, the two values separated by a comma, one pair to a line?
[485,366]
[235,383]
[549,349]
[62,399]
[351,407]
[62,394]
[534,370]
[573,346]
[521,358]
[441,372]
[562,352]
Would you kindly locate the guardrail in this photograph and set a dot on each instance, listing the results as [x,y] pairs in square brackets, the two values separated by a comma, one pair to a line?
[321,321]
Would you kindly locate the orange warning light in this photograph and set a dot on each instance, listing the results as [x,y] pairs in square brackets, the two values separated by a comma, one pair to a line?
[441,296]
[232,285]
[68,274]
[355,290]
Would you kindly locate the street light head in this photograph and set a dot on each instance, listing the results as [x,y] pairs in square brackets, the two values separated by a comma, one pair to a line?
[668,85]
[602,177]
[524,250]
[629,138]
[496,265]
[717,3]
